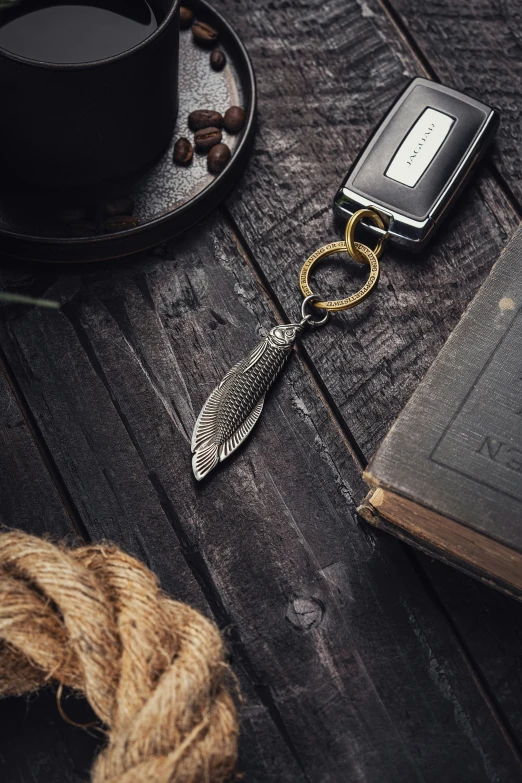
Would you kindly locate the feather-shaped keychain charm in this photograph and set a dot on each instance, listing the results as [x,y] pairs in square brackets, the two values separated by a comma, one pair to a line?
[233,408]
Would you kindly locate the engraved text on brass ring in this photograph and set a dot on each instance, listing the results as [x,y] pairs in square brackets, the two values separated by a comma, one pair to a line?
[350,301]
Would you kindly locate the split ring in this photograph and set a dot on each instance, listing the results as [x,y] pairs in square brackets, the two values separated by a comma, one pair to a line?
[370,258]
[306,317]
[349,233]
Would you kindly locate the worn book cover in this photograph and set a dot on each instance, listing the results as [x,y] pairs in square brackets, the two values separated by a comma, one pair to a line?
[448,476]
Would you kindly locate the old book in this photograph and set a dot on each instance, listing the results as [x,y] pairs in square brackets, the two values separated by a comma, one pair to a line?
[448,476]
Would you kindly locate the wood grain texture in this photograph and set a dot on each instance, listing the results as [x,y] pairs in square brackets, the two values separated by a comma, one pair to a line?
[475,47]
[490,642]
[37,745]
[29,501]
[353,667]
[336,643]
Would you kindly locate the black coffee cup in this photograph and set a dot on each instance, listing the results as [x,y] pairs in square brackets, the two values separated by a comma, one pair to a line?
[80,124]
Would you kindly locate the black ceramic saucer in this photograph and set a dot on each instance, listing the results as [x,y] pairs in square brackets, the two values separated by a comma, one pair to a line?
[168,198]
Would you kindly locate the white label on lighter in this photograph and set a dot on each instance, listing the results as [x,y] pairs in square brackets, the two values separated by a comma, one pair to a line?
[419,147]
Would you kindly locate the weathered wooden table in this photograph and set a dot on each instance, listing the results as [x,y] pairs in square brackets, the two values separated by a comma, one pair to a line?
[359,659]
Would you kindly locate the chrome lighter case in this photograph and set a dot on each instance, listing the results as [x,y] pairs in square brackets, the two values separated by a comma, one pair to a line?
[417,162]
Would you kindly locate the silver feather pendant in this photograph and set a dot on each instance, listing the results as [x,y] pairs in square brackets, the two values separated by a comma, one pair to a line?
[231,411]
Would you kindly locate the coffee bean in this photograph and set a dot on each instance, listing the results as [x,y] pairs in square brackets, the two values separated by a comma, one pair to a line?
[234,119]
[218,158]
[218,60]
[70,215]
[83,228]
[183,152]
[121,222]
[120,206]
[204,34]
[185,17]
[206,138]
[204,118]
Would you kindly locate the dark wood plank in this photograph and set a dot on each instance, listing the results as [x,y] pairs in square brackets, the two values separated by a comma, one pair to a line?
[475,47]
[118,501]
[328,623]
[492,635]
[36,744]
[28,499]
[364,37]
[371,359]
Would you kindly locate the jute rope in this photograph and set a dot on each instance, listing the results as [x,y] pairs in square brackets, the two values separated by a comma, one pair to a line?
[153,669]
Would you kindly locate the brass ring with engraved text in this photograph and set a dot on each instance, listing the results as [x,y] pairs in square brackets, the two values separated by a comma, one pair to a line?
[350,301]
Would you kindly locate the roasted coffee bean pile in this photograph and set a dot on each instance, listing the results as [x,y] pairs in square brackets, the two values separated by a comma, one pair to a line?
[113,215]
[207,124]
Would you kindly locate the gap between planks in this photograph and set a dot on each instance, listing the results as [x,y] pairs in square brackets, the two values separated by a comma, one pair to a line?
[496,710]
[281,316]
[466,654]
[43,451]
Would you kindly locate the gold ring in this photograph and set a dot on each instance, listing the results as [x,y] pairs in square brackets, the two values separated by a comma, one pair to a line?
[349,233]
[338,247]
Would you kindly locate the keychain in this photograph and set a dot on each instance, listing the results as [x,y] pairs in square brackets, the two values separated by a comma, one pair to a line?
[401,185]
